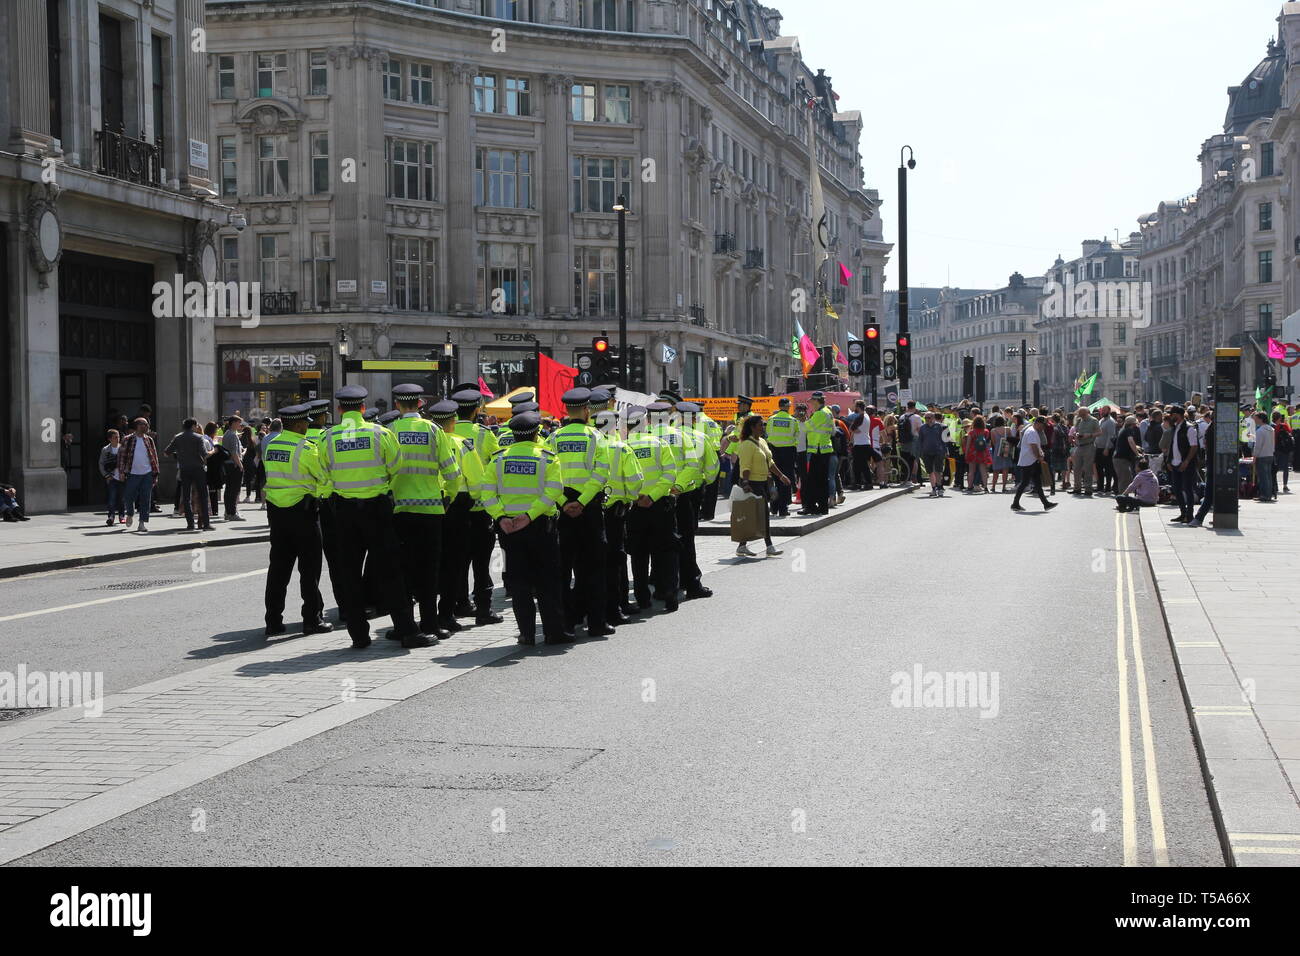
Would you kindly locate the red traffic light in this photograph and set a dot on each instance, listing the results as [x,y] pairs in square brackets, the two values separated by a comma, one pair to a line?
[902,341]
[600,344]
[873,332]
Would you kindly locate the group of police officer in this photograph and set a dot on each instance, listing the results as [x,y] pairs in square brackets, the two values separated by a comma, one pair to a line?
[404,508]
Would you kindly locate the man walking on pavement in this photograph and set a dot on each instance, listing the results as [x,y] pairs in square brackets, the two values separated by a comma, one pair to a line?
[191,451]
[294,479]
[361,460]
[428,469]
[137,462]
[233,470]
[1030,464]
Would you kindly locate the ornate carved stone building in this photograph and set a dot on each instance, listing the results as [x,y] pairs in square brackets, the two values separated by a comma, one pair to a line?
[415,175]
[104,190]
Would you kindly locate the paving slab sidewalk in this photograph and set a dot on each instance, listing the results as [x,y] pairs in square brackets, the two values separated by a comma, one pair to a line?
[70,539]
[1232,608]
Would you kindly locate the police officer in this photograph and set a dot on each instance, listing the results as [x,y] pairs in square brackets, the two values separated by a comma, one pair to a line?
[522,489]
[361,459]
[700,461]
[294,477]
[388,418]
[318,415]
[584,469]
[429,468]
[820,428]
[453,559]
[651,526]
[519,402]
[622,489]
[480,539]
[783,439]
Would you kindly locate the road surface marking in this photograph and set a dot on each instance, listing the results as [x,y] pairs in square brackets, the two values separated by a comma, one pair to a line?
[1125,747]
[1158,844]
[1283,837]
[133,594]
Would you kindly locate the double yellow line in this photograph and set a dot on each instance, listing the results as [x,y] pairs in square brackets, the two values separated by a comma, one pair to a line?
[1124,595]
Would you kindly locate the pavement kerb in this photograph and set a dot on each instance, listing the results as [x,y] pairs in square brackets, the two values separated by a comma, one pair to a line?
[795,530]
[82,560]
[1169,579]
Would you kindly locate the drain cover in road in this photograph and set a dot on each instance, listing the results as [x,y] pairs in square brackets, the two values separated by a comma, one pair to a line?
[440,765]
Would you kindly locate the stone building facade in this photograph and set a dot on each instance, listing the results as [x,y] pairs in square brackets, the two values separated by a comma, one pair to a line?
[417,176]
[1088,318]
[104,190]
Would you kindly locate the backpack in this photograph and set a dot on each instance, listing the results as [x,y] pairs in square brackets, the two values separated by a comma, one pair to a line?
[980,442]
[1284,440]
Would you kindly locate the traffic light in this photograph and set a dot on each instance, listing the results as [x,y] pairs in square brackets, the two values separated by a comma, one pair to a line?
[903,358]
[854,352]
[888,365]
[871,351]
[968,376]
[601,355]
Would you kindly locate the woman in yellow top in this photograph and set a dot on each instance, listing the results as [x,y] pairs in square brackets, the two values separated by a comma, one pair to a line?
[757,470]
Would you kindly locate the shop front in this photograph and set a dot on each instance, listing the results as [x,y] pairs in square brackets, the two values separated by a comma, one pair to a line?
[254,381]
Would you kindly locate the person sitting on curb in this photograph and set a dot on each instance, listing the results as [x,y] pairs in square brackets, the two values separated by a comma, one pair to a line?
[1142,492]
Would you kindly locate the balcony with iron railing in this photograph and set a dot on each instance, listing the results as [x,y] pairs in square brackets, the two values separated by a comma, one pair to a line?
[697,315]
[129,159]
[724,242]
[279,303]
[753,258]
[1092,344]
[1162,361]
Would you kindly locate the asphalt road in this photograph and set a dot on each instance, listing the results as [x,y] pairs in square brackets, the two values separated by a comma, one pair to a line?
[761,726]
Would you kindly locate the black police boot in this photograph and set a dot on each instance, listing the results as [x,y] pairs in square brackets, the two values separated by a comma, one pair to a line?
[448,624]
[487,616]
[603,630]
[615,616]
[417,640]
[464,609]
[319,627]
[565,637]
[699,591]
[528,640]
[274,629]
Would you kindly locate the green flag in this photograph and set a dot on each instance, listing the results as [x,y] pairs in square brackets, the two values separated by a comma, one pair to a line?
[794,345]
[1086,388]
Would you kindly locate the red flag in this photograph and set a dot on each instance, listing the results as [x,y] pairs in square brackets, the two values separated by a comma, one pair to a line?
[845,274]
[1276,349]
[482,387]
[553,380]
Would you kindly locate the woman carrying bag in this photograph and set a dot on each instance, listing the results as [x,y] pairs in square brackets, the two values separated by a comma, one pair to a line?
[757,469]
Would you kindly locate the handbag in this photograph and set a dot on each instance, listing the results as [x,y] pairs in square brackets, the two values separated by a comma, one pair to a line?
[747,515]
[1007,448]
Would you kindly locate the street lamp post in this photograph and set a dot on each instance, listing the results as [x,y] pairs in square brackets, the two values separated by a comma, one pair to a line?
[620,207]
[344,348]
[902,246]
[448,353]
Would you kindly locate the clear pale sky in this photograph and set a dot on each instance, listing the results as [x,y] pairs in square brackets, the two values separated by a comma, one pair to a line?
[1036,123]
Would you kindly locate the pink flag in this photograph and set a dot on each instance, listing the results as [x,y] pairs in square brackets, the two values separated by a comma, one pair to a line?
[808,350]
[839,357]
[845,274]
[482,387]
[1275,349]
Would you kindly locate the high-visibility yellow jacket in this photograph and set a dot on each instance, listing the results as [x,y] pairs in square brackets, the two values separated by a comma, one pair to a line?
[782,430]
[584,459]
[625,478]
[429,466]
[820,427]
[484,444]
[361,457]
[293,469]
[658,464]
[523,478]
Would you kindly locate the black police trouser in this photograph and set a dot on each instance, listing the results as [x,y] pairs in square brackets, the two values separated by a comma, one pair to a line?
[365,527]
[421,539]
[652,533]
[453,582]
[482,539]
[615,558]
[688,568]
[816,490]
[785,460]
[532,578]
[329,536]
[709,499]
[295,539]
[582,558]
